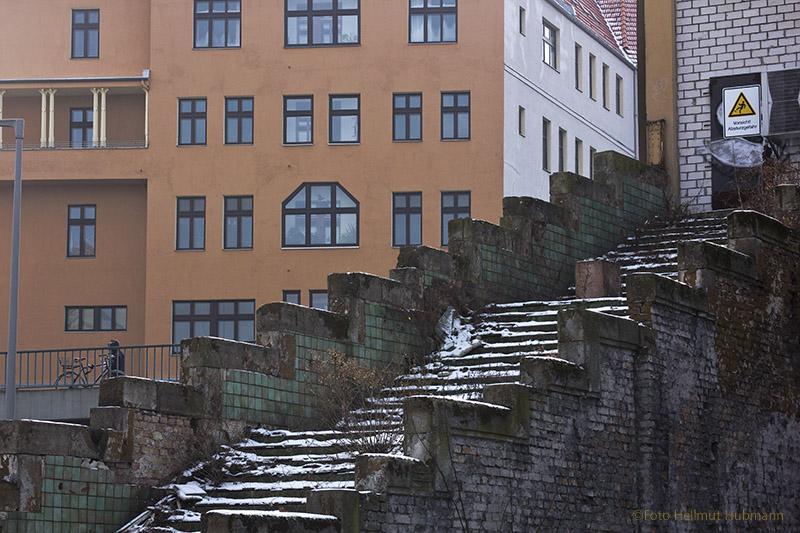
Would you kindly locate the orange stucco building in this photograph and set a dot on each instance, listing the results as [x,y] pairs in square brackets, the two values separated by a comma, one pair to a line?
[188,161]
[102,100]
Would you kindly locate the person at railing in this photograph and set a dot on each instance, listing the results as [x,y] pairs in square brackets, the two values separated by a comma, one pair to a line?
[116,358]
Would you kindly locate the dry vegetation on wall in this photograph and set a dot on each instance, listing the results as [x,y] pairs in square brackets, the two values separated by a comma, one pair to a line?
[755,188]
[351,398]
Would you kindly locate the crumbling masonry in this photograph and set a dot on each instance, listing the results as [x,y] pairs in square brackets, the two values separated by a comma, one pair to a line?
[691,404]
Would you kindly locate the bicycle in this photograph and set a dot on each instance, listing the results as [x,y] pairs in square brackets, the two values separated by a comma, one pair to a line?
[109,368]
[75,374]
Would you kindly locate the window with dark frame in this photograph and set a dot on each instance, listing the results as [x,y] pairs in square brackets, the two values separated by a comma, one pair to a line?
[320,215]
[606,103]
[344,120]
[432,21]
[618,98]
[578,67]
[455,204]
[407,117]
[190,225]
[217,23]
[238,222]
[85,33]
[191,121]
[96,318]
[322,23]
[455,116]
[81,230]
[292,297]
[545,144]
[406,218]
[592,77]
[562,150]
[522,20]
[239,120]
[229,319]
[578,157]
[549,45]
[521,121]
[81,126]
[298,119]
[592,151]
[318,299]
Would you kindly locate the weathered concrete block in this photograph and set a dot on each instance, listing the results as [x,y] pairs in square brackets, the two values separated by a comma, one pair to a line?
[179,399]
[699,261]
[542,373]
[597,278]
[51,438]
[516,397]
[341,503]
[267,522]
[426,258]
[21,482]
[787,198]
[646,288]
[128,391]
[747,230]
[377,472]
[213,352]
[280,316]
[581,332]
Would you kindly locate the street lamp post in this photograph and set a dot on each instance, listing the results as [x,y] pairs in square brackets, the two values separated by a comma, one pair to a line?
[11,357]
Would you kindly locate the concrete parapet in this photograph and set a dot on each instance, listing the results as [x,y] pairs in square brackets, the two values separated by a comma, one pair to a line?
[213,352]
[34,437]
[290,318]
[376,472]
[700,261]
[787,199]
[581,332]
[645,288]
[341,503]
[149,395]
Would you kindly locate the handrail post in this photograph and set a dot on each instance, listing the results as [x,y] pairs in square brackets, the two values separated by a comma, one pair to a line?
[11,356]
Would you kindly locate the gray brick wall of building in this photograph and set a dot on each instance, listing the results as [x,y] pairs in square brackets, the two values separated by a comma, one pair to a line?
[723,38]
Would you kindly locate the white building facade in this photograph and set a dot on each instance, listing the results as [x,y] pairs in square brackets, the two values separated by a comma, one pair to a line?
[569,91]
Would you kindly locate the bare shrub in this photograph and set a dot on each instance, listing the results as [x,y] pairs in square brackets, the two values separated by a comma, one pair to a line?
[352,399]
[755,188]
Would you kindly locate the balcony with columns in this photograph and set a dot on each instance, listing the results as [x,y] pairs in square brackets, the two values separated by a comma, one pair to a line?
[79,118]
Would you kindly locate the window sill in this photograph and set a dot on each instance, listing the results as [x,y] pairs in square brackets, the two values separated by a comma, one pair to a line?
[432,42]
[237,144]
[457,140]
[343,247]
[81,257]
[406,140]
[552,67]
[321,45]
[298,144]
[238,249]
[190,249]
[344,143]
[217,47]
[188,145]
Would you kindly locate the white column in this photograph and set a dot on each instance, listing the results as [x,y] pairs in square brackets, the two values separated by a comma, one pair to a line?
[146,117]
[1,117]
[43,136]
[51,132]
[95,120]
[103,117]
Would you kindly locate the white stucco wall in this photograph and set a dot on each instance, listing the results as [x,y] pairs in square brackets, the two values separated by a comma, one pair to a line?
[547,93]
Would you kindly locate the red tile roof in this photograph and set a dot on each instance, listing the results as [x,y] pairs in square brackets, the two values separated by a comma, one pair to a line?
[613,21]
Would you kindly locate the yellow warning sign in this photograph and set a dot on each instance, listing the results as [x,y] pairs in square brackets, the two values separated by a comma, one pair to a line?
[741,108]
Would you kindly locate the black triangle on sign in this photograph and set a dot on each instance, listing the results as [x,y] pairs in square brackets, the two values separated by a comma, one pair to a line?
[741,108]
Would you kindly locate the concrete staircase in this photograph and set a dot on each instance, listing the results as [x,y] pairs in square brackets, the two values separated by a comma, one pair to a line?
[272,470]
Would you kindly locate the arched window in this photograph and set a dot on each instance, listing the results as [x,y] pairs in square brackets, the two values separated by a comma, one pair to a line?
[320,214]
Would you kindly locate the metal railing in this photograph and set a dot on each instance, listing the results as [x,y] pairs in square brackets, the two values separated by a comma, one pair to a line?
[69,145]
[87,367]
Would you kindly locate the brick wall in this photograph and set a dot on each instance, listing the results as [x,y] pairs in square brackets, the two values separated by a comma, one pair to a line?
[724,38]
[685,417]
